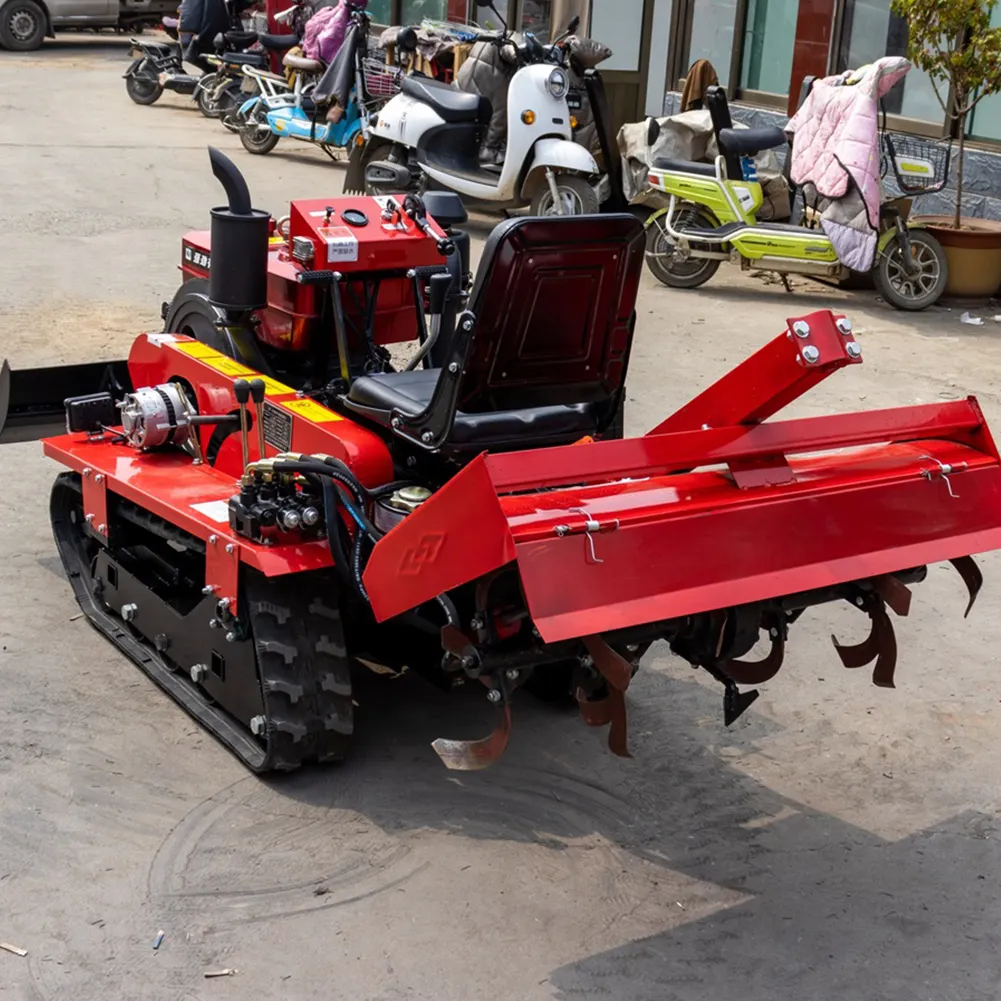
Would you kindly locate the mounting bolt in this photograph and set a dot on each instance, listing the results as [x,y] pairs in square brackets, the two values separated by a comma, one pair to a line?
[99,478]
[586,661]
[476,623]
[395,422]
[512,674]
[494,695]
[213,623]
[811,355]
[231,548]
[230,637]
[801,328]
[213,539]
[198,671]
[208,589]
[102,528]
[453,367]
[468,324]
[259,726]
[854,351]
[222,606]
[426,436]
[844,325]
[859,601]
[129,611]
[88,518]
[86,470]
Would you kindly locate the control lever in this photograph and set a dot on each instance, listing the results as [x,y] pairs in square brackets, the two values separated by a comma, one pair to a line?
[439,285]
[241,389]
[414,207]
[257,395]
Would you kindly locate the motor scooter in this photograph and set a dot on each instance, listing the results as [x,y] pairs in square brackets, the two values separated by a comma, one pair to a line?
[429,136]
[711,216]
[356,82]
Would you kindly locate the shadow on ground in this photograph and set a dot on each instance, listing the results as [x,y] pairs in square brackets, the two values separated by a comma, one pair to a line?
[814,907]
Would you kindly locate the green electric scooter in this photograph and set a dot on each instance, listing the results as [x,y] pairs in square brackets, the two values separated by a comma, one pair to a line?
[711,216]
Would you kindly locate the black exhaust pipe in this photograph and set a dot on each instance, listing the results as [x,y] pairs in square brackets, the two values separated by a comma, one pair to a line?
[238,275]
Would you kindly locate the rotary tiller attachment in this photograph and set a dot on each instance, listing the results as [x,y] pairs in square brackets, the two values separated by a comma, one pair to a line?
[717,527]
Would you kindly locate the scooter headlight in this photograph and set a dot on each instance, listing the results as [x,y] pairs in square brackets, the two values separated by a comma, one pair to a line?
[558,83]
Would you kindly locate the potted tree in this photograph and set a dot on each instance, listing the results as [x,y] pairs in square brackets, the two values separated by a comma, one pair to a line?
[954,43]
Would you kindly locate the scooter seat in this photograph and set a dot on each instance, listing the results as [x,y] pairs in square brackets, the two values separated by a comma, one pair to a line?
[245,58]
[747,142]
[301,63]
[237,39]
[377,396]
[684,166]
[278,43]
[451,104]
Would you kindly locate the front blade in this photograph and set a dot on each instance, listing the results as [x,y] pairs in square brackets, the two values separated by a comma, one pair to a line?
[31,399]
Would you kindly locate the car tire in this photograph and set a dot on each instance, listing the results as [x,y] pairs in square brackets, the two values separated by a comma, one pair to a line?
[22,25]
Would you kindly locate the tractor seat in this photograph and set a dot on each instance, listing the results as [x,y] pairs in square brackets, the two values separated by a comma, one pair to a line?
[377,396]
[278,43]
[540,356]
[684,166]
[451,104]
[749,142]
[301,63]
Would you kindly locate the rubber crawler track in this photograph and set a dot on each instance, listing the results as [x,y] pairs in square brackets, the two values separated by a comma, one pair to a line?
[299,641]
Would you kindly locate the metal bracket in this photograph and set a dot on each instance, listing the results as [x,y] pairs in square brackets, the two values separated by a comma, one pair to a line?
[95,500]
[222,569]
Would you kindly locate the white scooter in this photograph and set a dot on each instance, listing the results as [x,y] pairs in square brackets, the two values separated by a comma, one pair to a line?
[429,136]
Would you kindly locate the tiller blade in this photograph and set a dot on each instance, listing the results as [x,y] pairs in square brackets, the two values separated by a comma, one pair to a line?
[972,578]
[472,755]
[879,646]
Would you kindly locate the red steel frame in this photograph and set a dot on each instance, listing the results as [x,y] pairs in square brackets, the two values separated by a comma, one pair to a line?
[613,533]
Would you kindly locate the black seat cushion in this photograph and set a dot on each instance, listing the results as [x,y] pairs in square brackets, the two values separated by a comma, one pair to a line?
[278,43]
[684,166]
[245,58]
[747,142]
[238,39]
[410,392]
[451,104]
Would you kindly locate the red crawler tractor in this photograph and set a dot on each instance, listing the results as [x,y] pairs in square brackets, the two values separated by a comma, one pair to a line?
[257,501]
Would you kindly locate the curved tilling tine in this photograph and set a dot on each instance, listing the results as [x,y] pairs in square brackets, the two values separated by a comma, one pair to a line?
[472,755]
[879,646]
[967,568]
[759,671]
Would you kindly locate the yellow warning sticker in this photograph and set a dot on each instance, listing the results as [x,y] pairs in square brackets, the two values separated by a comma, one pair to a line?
[275,240]
[230,366]
[272,387]
[197,350]
[311,410]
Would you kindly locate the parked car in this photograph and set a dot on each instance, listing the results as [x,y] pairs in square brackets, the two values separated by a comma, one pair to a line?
[25,23]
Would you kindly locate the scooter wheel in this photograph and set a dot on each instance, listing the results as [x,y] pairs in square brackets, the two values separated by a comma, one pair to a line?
[667,265]
[206,100]
[257,137]
[142,88]
[576,196]
[912,291]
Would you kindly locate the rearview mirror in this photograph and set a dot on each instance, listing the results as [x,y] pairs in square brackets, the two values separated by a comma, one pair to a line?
[652,131]
[574,24]
[484,3]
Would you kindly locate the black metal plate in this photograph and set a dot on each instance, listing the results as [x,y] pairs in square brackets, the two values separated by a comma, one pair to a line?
[575,99]
[277,427]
